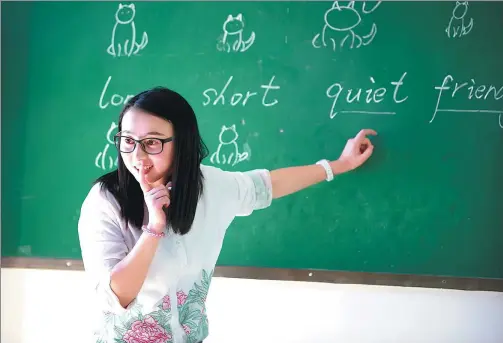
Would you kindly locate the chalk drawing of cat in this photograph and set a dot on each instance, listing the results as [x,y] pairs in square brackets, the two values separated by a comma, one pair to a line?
[227,151]
[123,41]
[101,158]
[457,26]
[232,38]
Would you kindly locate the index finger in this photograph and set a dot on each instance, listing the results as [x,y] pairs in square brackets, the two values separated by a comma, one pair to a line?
[145,186]
[364,132]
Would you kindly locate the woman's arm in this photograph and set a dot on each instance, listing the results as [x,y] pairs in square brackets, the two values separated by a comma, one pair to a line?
[289,180]
[117,274]
[127,276]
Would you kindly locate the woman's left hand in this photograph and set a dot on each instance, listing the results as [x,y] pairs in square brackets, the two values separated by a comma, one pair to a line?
[357,150]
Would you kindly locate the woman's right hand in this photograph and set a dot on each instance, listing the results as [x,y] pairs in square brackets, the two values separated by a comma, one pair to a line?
[156,199]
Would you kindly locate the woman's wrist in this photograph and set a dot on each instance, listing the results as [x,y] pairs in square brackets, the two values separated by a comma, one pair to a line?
[339,166]
[153,232]
[154,228]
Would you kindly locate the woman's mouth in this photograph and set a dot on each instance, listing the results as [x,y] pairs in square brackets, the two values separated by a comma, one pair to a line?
[146,168]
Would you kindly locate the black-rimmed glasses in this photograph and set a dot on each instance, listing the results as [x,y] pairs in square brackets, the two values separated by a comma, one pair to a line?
[151,146]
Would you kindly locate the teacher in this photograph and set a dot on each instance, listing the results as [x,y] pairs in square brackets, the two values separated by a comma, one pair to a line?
[152,230]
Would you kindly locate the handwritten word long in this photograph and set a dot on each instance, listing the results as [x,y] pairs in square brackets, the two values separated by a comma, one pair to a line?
[468,90]
[214,98]
[372,96]
[114,100]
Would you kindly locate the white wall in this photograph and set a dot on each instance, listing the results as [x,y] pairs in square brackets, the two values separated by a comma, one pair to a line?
[40,306]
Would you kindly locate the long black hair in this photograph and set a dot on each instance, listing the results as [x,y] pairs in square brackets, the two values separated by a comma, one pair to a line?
[186,176]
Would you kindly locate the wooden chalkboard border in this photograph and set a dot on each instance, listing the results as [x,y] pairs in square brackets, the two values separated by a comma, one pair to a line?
[341,277]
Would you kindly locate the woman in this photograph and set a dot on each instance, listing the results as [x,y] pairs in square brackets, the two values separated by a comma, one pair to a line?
[151,231]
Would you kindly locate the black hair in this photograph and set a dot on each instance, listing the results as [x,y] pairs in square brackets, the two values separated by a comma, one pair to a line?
[185,171]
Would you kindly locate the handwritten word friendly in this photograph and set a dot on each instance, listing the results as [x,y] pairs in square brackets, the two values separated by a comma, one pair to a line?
[354,95]
[214,97]
[114,100]
[470,91]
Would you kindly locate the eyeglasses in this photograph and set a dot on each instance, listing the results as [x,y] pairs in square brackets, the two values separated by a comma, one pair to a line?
[151,146]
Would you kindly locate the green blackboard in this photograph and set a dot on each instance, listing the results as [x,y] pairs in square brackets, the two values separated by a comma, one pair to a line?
[297,81]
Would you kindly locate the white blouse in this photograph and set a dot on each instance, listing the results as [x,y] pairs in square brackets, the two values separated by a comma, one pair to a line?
[170,306]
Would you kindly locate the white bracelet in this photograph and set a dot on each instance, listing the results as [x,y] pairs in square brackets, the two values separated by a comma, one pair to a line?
[328,169]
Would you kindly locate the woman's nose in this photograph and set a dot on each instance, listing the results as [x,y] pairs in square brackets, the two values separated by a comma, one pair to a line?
[138,153]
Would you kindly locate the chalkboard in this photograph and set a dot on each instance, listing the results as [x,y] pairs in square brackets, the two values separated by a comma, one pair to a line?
[289,83]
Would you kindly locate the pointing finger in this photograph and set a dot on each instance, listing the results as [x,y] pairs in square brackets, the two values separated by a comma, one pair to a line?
[145,186]
[363,134]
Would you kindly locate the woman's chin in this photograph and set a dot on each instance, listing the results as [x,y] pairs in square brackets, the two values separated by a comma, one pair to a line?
[158,180]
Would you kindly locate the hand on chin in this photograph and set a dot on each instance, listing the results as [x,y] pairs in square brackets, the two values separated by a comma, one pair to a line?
[153,178]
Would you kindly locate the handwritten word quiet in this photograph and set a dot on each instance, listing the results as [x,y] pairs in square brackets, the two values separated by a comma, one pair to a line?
[214,97]
[354,95]
[114,100]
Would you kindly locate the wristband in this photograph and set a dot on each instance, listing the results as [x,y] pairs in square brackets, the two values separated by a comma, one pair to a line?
[328,169]
[152,233]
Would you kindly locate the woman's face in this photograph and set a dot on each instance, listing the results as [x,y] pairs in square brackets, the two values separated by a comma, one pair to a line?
[140,125]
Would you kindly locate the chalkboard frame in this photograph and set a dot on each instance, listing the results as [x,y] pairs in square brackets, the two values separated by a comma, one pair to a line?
[408,280]
[306,275]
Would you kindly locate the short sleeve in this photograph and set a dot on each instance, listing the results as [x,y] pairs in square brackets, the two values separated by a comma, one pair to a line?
[102,244]
[253,190]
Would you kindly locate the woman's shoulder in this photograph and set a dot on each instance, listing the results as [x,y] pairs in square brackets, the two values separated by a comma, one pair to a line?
[213,174]
[224,180]
[210,172]
[216,177]
[217,182]
[99,198]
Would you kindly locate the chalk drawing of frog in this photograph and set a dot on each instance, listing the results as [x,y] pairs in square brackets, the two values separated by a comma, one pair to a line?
[457,27]
[343,19]
[228,151]
[232,38]
[123,42]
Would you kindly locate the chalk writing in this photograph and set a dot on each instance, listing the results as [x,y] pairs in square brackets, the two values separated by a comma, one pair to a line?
[103,160]
[371,95]
[232,38]
[341,20]
[228,151]
[115,99]
[123,42]
[214,98]
[457,27]
[468,90]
